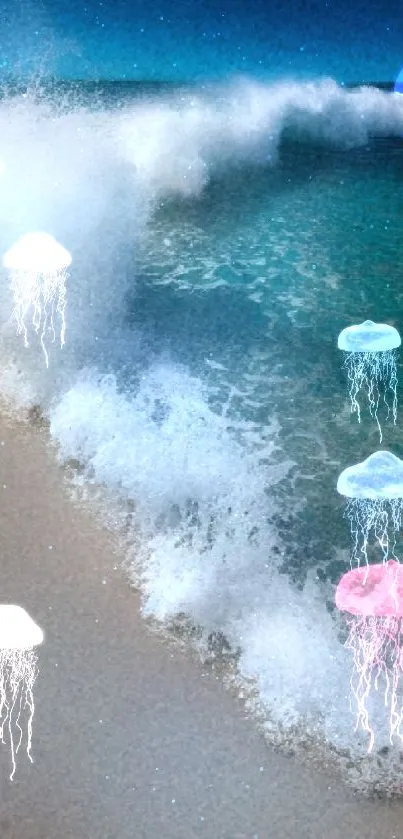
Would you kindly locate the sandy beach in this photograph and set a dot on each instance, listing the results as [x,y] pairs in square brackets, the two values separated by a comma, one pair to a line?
[133,738]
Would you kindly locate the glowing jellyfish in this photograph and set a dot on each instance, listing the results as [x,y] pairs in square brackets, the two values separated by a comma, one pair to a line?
[38,265]
[371,364]
[375,492]
[373,600]
[18,669]
[399,83]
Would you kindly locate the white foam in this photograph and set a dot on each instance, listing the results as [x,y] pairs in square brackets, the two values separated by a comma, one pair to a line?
[173,440]
[201,501]
[290,647]
[177,146]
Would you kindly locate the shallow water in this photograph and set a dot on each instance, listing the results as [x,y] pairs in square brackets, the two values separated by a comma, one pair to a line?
[220,240]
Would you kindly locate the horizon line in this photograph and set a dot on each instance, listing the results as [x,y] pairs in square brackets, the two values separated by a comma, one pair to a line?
[174,82]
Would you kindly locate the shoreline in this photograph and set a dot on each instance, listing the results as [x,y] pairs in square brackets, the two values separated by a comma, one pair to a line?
[132,736]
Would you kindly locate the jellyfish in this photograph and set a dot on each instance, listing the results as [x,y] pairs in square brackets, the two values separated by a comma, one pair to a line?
[398,88]
[18,670]
[38,265]
[374,489]
[373,601]
[371,364]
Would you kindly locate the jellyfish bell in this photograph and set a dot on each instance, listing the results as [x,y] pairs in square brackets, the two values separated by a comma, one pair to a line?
[374,489]
[377,592]
[373,602]
[370,363]
[17,629]
[379,476]
[38,265]
[19,635]
[38,252]
[369,337]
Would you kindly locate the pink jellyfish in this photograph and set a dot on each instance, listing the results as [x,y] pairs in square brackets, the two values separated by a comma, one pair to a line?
[373,599]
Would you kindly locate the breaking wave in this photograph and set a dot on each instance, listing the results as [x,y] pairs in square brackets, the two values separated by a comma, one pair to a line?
[185,425]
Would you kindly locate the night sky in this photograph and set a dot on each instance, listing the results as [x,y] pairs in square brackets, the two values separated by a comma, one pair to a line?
[350,40]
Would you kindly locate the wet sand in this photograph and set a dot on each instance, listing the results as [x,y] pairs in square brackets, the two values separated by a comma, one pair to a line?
[131,737]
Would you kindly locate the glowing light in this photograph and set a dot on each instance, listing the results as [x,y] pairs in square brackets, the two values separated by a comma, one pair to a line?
[399,83]
[37,265]
[18,669]
[373,600]
[375,492]
[371,364]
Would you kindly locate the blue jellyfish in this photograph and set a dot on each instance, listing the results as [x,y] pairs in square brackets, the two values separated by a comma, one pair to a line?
[374,489]
[371,364]
[399,83]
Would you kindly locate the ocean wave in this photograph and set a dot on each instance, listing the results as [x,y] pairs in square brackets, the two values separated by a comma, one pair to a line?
[181,443]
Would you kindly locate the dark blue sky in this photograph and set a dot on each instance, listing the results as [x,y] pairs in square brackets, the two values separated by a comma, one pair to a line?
[347,39]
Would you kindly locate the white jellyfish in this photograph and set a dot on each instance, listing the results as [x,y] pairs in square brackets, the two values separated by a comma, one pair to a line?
[38,265]
[375,506]
[18,670]
[371,364]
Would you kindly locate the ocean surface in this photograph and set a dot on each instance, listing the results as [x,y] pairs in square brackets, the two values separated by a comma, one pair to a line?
[222,236]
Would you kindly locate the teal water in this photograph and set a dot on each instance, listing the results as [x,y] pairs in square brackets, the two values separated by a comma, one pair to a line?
[260,274]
